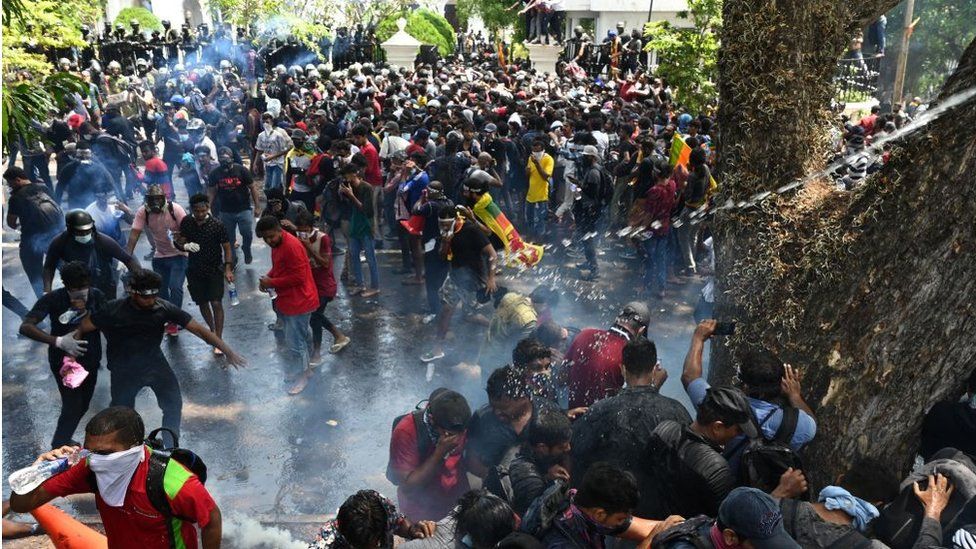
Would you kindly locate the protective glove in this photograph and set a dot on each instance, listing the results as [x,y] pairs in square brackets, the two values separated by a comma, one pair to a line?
[70,345]
[191,247]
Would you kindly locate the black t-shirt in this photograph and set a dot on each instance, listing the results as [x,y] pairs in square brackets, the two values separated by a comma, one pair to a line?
[35,210]
[233,186]
[466,251]
[97,254]
[623,168]
[489,438]
[53,304]
[210,235]
[134,334]
[645,177]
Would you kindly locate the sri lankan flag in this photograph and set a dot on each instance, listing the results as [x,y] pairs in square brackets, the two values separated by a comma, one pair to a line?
[681,154]
[489,213]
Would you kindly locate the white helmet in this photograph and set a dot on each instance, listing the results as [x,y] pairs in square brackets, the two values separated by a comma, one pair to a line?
[312,73]
[225,64]
[309,67]
[280,69]
[114,65]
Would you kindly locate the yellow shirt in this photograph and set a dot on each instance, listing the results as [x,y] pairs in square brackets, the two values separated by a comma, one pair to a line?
[539,186]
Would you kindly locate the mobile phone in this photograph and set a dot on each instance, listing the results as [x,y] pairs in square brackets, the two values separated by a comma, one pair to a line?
[724,328]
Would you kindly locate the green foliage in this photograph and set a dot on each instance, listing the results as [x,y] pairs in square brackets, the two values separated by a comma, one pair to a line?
[688,57]
[307,20]
[944,29]
[148,22]
[492,12]
[27,101]
[424,25]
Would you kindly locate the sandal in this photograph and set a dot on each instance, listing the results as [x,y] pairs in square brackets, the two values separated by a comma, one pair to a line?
[340,345]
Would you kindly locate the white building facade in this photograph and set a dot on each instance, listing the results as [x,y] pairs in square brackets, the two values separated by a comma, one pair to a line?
[175,11]
[600,16]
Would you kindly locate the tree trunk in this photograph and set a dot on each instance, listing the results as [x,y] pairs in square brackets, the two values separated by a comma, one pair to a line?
[871,293]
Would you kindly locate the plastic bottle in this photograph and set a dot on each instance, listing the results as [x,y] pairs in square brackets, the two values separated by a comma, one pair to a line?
[24,480]
[232,294]
[273,293]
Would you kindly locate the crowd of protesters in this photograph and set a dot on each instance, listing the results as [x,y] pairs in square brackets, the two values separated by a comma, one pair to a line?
[467,167]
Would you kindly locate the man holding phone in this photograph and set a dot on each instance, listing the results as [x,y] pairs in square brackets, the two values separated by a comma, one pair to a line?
[770,386]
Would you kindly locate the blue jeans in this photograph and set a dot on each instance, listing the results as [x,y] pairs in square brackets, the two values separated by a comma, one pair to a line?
[173,271]
[243,220]
[656,263]
[298,342]
[535,213]
[356,245]
[274,177]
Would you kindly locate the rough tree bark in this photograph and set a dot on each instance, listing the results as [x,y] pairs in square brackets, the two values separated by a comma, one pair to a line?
[872,293]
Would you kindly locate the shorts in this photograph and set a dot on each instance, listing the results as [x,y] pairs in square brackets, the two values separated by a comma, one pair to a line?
[205,287]
[460,290]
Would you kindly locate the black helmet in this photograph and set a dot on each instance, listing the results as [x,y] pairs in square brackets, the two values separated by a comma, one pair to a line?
[134,22]
[78,221]
[165,23]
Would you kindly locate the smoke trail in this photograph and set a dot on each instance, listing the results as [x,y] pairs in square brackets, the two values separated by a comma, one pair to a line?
[244,532]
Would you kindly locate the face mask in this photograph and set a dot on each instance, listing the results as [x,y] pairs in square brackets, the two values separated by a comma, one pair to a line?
[184,137]
[84,239]
[114,472]
[538,155]
[268,127]
[226,161]
[81,295]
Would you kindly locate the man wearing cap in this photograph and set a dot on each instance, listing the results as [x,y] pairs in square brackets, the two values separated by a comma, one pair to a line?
[747,518]
[273,143]
[593,361]
[693,477]
[298,185]
[426,456]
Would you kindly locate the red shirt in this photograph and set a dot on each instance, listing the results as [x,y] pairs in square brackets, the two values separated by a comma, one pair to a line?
[660,202]
[325,281]
[137,524]
[413,148]
[157,173]
[434,500]
[594,365]
[291,277]
[373,174]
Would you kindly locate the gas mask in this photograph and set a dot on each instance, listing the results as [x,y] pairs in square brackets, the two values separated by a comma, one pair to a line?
[155,204]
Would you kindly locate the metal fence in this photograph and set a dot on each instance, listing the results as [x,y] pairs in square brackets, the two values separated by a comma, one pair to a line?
[857,78]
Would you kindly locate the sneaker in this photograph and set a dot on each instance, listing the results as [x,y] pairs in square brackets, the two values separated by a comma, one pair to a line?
[172,330]
[372,292]
[431,356]
[339,345]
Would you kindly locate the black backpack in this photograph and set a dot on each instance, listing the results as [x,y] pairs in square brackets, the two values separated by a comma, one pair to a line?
[48,213]
[688,531]
[425,438]
[158,460]
[763,461]
[850,540]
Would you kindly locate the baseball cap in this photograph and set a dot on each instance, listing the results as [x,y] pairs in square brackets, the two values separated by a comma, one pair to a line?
[732,406]
[591,150]
[755,516]
[298,134]
[449,410]
[392,126]
[555,125]
[422,133]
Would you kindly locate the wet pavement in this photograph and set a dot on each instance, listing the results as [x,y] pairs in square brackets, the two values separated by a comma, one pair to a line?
[278,457]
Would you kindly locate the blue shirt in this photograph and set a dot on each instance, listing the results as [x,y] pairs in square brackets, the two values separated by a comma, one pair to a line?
[806,426]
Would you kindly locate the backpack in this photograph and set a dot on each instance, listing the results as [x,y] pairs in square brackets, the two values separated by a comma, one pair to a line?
[49,213]
[900,521]
[502,472]
[425,438]
[764,461]
[688,531]
[159,458]
[852,539]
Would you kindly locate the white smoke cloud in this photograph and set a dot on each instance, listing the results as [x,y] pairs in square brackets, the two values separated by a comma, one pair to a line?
[243,532]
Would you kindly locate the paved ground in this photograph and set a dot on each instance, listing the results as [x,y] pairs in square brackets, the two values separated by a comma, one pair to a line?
[285,459]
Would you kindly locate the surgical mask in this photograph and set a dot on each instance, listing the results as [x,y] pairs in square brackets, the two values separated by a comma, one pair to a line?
[184,136]
[114,472]
[268,127]
[84,239]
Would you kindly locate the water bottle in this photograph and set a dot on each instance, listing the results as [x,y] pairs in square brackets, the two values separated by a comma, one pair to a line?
[232,294]
[28,478]
[273,294]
